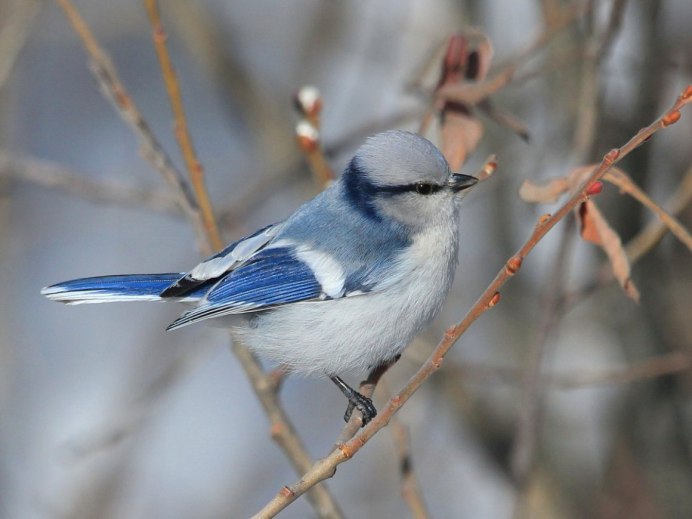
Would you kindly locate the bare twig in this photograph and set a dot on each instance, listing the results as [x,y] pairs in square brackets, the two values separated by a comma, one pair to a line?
[194,168]
[627,185]
[113,89]
[525,439]
[640,245]
[309,142]
[410,490]
[326,467]
[652,233]
[283,432]
[522,455]
[663,365]
[282,429]
[53,176]
[308,103]
[14,33]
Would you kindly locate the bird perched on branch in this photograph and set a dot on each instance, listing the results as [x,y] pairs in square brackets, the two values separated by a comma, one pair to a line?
[343,284]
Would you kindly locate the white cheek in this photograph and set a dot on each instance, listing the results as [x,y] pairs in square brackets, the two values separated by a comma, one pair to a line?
[418,211]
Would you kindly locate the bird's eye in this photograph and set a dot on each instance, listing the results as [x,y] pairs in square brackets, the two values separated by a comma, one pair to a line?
[425,189]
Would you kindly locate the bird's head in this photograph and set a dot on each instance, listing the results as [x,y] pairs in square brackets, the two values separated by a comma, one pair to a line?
[401,175]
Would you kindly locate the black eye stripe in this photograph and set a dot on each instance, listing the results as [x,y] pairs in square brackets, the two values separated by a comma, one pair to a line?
[422,188]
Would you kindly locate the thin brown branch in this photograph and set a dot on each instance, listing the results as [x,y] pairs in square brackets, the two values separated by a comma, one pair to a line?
[653,232]
[308,103]
[627,185]
[527,426]
[282,429]
[182,135]
[410,489]
[14,34]
[114,90]
[525,443]
[309,142]
[53,176]
[641,244]
[326,467]
[663,365]
[283,432]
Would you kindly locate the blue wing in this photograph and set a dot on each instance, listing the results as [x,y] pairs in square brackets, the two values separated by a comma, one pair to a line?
[270,278]
[222,262]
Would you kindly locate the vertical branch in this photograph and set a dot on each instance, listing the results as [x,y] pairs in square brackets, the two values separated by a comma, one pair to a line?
[526,436]
[308,103]
[282,429]
[410,489]
[283,432]
[115,91]
[14,33]
[182,134]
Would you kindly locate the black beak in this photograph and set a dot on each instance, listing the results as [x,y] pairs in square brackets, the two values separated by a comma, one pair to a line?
[458,182]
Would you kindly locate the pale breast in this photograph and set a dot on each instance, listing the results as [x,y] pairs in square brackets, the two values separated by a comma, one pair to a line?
[359,332]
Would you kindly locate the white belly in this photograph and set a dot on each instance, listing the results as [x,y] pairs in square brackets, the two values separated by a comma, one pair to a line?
[359,332]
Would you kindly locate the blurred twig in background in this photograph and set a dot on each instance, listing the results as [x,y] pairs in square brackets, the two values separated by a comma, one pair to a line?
[114,90]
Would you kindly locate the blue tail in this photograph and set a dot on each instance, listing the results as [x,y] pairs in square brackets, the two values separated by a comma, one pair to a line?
[109,289]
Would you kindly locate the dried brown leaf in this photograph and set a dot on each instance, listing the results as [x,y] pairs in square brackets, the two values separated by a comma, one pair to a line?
[550,191]
[459,135]
[595,228]
[466,61]
[543,193]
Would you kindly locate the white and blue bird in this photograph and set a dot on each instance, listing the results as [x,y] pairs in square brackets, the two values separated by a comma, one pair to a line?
[343,284]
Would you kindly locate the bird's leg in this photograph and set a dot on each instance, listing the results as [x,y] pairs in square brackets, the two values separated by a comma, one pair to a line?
[355,400]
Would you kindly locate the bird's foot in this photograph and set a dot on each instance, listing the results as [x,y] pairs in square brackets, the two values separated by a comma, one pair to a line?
[363,404]
[355,401]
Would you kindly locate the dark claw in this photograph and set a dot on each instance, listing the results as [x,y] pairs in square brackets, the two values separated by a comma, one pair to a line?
[363,404]
[355,401]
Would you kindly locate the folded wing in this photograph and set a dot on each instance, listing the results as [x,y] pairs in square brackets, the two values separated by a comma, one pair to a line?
[272,277]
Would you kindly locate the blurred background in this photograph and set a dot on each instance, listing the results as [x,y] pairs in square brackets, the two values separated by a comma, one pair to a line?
[103,414]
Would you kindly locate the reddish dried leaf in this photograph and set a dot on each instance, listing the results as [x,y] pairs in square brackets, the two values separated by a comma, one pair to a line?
[459,135]
[454,60]
[483,50]
[467,57]
[543,193]
[588,228]
[595,228]
[550,191]
[466,62]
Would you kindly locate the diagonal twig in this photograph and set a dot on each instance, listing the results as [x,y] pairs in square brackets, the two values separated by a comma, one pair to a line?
[15,33]
[114,90]
[326,467]
[627,185]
